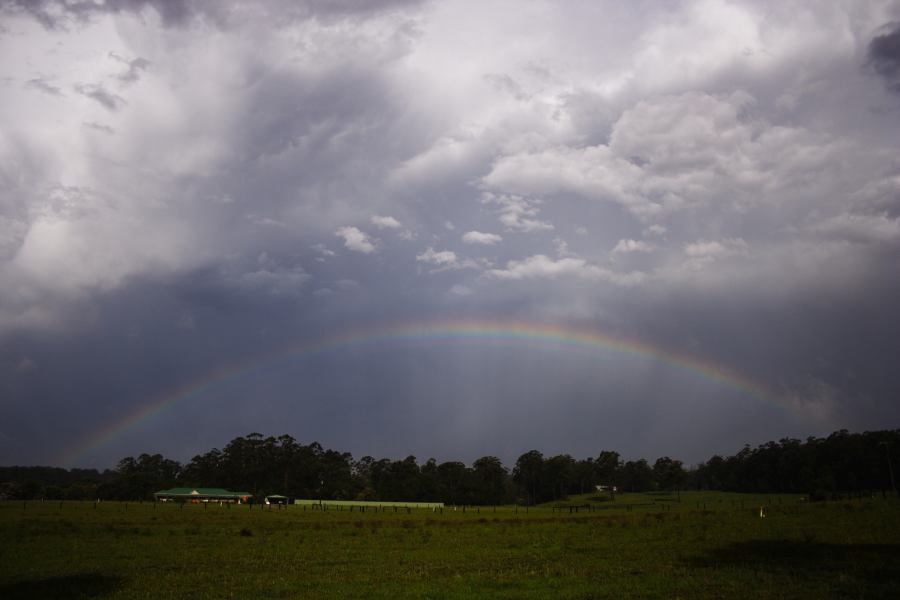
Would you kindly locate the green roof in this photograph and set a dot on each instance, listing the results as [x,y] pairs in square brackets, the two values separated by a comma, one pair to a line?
[195,492]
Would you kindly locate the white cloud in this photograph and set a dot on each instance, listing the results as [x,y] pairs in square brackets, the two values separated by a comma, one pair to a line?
[702,253]
[448,157]
[65,253]
[695,44]
[442,258]
[668,154]
[323,250]
[541,266]
[477,237]
[355,240]
[391,223]
[860,228]
[562,247]
[264,221]
[277,281]
[594,172]
[627,246]
[461,290]
[517,213]
[656,230]
[385,222]
[726,247]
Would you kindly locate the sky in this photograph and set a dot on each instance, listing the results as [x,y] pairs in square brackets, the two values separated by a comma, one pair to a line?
[216,218]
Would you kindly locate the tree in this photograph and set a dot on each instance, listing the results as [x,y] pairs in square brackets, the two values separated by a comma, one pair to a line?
[585,474]
[559,472]
[668,473]
[637,476]
[137,479]
[430,481]
[454,482]
[607,468]
[527,473]
[204,470]
[490,478]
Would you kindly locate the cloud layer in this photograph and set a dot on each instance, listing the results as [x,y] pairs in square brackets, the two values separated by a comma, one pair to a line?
[185,186]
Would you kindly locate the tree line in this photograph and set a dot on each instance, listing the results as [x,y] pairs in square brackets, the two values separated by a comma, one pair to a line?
[840,463]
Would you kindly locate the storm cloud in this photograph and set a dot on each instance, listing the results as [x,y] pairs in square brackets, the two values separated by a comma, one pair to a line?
[884,56]
[190,192]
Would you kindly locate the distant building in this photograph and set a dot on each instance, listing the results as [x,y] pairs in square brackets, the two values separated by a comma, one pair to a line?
[277,499]
[199,495]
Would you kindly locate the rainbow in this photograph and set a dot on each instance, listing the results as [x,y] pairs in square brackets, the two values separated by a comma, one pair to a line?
[442,330]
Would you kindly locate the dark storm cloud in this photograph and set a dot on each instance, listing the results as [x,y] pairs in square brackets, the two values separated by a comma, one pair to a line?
[100,127]
[42,85]
[884,56]
[133,67]
[59,14]
[824,350]
[97,92]
[328,9]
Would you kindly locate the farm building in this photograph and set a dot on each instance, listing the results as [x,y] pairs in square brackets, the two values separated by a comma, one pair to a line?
[198,495]
[277,499]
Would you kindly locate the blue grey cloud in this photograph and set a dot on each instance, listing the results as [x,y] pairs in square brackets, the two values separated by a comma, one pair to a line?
[884,56]
[60,14]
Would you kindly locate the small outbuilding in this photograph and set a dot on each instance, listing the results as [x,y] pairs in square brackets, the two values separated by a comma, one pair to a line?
[277,499]
[201,495]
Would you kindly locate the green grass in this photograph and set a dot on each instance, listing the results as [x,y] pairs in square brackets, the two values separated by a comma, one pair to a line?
[640,546]
[369,505]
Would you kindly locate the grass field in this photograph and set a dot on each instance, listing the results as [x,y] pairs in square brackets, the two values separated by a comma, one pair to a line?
[707,545]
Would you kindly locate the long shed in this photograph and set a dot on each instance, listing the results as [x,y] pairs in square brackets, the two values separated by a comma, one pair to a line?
[197,495]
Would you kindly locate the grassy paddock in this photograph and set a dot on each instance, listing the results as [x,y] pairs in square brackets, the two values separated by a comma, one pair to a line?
[698,545]
[365,504]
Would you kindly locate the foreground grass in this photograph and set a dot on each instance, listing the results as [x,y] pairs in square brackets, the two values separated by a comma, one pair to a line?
[640,546]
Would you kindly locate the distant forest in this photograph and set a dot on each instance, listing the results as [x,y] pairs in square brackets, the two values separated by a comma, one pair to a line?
[842,463]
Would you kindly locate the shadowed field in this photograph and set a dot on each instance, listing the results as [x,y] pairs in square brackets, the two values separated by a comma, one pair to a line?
[660,546]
